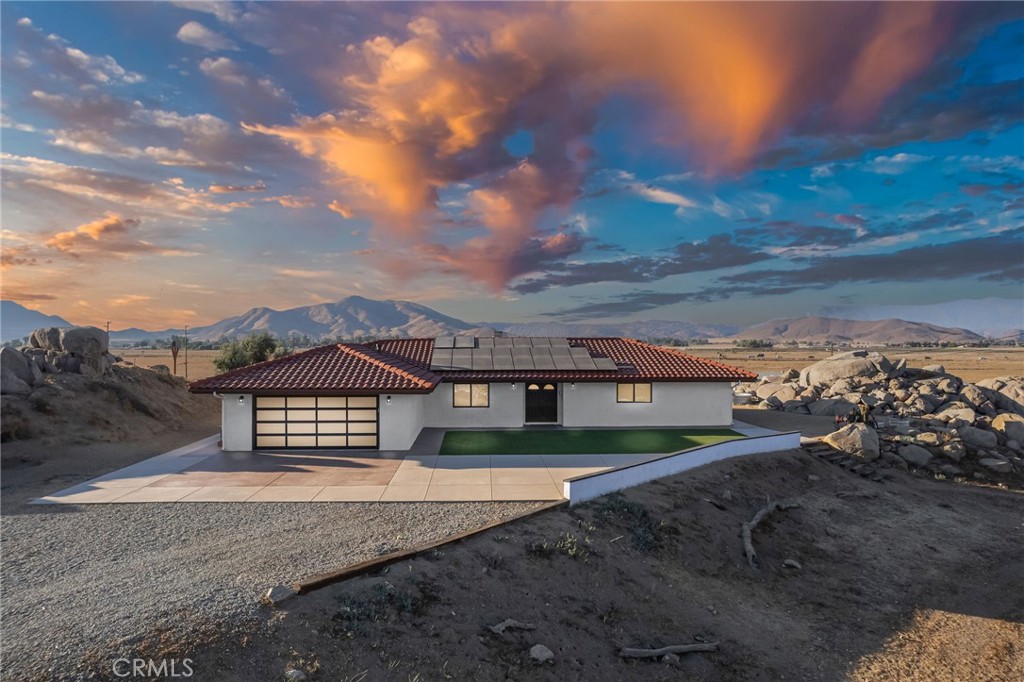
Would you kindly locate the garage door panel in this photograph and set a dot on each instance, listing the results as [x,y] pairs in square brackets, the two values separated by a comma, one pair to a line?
[316,422]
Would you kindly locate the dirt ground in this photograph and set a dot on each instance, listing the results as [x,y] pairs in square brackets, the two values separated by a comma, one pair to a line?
[200,362]
[907,580]
[970,364]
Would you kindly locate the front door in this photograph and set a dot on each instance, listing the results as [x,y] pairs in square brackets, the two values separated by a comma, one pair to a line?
[541,403]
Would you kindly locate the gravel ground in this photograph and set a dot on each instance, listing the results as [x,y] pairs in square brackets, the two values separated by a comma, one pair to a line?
[88,580]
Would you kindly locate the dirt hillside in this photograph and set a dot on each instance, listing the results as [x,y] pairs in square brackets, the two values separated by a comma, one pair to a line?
[906,580]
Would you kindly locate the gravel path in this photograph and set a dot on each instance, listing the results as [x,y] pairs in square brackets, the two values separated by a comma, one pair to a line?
[79,579]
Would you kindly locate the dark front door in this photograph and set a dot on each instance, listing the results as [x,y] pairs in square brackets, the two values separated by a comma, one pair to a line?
[541,403]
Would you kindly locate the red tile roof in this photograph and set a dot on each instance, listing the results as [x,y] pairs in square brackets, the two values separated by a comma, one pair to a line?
[403,366]
[341,367]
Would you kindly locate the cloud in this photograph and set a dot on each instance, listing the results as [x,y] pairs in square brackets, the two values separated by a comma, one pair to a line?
[297,273]
[226,12]
[130,299]
[194,33]
[341,209]
[715,253]
[897,164]
[429,106]
[65,61]
[289,201]
[225,189]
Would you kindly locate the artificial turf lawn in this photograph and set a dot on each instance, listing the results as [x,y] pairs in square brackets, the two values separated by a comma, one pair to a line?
[579,441]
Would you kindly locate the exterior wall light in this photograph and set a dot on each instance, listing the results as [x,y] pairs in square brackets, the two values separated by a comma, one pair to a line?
[573,385]
[513,385]
[241,400]
[388,400]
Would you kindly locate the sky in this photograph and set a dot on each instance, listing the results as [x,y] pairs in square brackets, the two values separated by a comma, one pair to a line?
[181,162]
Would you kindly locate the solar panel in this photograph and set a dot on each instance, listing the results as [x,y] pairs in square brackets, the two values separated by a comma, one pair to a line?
[522,341]
[586,363]
[501,360]
[465,342]
[441,359]
[559,342]
[605,363]
[502,342]
[563,362]
[485,343]
[462,359]
[542,358]
[523,362]
[482,362]
[579,352]
[541,341]
[444,342]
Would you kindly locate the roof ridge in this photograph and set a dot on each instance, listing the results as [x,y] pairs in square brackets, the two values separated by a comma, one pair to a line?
[680,353]
[349,348]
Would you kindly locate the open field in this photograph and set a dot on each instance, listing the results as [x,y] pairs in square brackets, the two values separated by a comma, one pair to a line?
[970,364]
[200,362]
[580,441]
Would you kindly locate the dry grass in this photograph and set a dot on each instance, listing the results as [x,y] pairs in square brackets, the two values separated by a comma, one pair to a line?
[970,364]
[200,362]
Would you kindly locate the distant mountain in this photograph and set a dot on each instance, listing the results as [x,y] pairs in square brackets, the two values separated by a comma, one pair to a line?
[822,329]
[993,317]
[349,317]
[649,329]
[17,321]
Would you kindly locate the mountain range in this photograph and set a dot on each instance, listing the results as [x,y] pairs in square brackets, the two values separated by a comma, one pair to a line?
[356,316]
[830,329]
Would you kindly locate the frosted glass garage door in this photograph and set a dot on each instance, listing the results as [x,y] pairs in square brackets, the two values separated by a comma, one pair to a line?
[316,422]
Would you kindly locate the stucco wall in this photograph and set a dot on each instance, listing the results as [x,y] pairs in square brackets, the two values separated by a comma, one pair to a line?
[236,422]
[506,408]
[400,421]
[672,404]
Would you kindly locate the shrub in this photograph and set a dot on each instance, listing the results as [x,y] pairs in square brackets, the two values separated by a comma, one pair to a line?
[257,347]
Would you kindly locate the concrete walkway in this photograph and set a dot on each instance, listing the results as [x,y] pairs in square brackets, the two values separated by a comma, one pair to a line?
[201,472]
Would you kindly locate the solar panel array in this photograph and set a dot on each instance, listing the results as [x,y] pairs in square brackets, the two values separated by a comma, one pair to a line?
[513,353]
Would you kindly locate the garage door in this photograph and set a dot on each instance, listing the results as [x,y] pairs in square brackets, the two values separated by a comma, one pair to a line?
[316,422]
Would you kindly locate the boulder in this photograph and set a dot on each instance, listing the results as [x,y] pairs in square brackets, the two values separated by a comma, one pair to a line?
[972,396]
[957,410]
[830,408]
[977,438]
[84,341]
[1010,425]
[47,338]
[859,440]
[915,455]
[934,369]
[1000,466]
[1007,393]
[162,370]
[17,365]
[858,363]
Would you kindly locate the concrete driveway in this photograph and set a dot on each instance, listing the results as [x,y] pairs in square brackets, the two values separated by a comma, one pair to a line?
[201,472]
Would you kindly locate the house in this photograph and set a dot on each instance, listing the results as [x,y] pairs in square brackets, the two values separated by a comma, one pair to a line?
[379,395]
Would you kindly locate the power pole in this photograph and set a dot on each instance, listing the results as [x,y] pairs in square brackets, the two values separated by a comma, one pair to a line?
[186,352]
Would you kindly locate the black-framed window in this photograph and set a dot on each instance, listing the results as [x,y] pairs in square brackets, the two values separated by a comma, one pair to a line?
[471,395]
[634,393]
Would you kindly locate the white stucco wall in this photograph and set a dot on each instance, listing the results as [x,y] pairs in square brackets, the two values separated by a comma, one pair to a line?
[507,408]
[236,422]
[672,404]
[400,421]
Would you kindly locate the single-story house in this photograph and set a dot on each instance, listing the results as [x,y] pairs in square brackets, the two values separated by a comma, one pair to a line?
[380,395]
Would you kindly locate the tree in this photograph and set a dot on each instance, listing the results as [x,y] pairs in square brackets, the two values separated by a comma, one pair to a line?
[257,347]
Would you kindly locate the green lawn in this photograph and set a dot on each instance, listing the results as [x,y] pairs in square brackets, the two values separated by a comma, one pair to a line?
[579,441]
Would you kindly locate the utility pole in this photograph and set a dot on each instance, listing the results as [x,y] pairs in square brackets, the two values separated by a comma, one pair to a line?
[186,352]
[108,328]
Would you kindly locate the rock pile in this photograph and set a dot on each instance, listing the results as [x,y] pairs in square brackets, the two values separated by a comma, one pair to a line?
[927,418]
[76,350]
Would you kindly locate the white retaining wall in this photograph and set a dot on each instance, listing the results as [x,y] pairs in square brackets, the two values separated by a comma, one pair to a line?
[587,487]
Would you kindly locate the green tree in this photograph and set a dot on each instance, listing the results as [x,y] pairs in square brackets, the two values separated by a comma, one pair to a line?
[257,347]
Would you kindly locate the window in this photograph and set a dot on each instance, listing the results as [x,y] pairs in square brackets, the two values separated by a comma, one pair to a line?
[634,393]
[471,395]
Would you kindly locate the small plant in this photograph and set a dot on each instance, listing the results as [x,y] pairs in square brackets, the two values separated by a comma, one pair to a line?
[637,518]
[539,550]
[569,545]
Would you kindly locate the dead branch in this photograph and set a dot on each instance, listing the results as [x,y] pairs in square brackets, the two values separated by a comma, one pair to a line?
[748,528]
[509,624]
[665,650]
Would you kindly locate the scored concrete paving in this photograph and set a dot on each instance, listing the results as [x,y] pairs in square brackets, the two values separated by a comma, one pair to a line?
[201,472]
